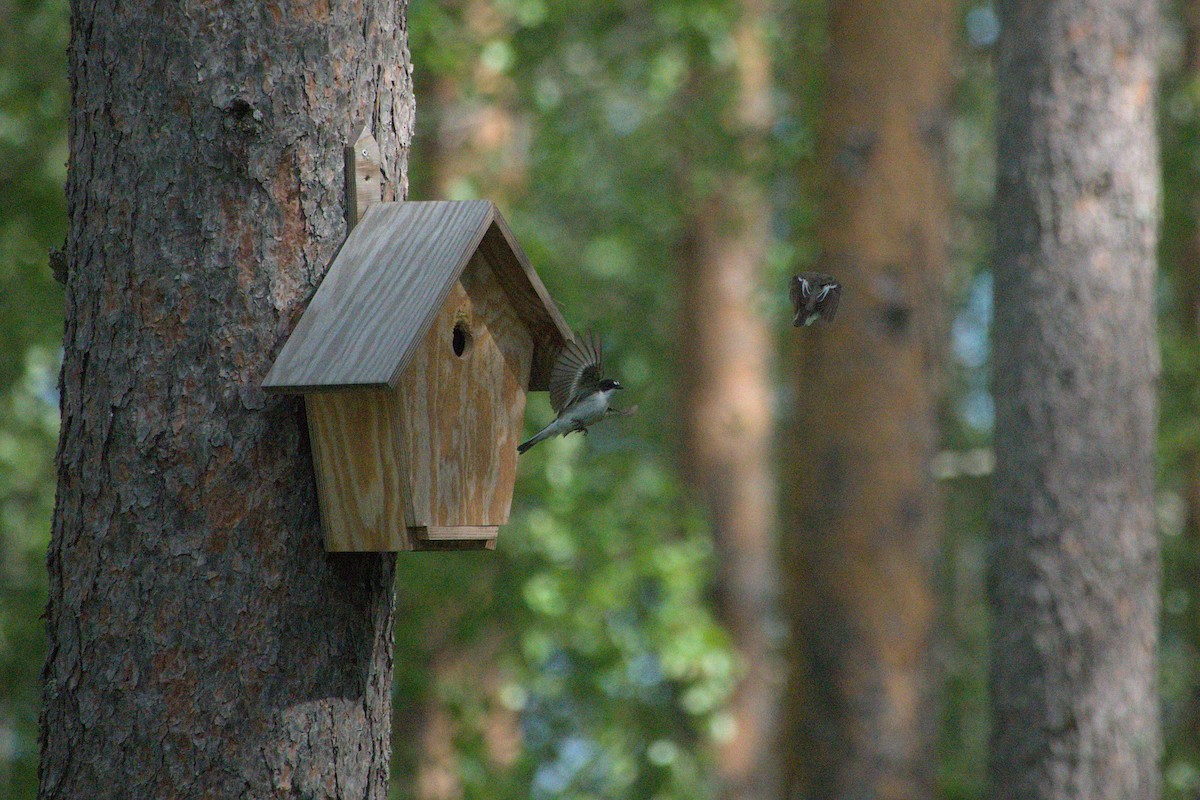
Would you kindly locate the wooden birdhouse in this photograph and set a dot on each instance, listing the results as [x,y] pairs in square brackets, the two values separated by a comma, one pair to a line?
[414,358]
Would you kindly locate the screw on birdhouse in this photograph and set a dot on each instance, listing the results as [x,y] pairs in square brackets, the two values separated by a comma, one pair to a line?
[364,175]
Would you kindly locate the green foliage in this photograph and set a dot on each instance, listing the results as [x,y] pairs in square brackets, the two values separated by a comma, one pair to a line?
[625,669]
[28,431]
[966,418]
[1179,433]
[33,153]
[609,656]
[580,660]
[590,625]
[633,634]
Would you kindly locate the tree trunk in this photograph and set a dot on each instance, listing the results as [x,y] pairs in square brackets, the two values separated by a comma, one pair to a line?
[201,642]
[725,404]
[862,515]
[1075,562]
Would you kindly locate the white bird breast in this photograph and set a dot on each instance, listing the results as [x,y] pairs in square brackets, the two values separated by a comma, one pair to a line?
[589,408]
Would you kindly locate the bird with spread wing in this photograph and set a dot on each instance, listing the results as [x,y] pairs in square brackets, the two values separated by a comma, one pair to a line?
[815,296]
[579,392]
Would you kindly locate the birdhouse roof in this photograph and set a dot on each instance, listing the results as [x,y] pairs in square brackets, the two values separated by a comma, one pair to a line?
[386,285]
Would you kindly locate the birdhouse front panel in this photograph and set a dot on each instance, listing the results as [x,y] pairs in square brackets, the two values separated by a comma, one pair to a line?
[462,400]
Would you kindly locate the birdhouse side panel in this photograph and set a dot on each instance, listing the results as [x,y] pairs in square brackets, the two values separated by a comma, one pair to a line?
[513,272]
[508,344]
[360,471]
[463,399]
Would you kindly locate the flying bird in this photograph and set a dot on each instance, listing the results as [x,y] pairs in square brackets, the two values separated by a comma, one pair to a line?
[579,392]
[815,297]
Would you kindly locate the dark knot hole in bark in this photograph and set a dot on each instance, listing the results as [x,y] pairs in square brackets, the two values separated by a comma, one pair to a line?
[895,319]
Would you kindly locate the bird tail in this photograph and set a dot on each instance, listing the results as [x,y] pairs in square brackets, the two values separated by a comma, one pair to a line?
[542,435]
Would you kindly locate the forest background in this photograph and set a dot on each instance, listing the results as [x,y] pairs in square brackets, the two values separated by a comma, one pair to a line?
[599,652]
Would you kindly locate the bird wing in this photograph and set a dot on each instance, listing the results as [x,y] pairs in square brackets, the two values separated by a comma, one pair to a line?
[576,373]
[799,296]
[827,301]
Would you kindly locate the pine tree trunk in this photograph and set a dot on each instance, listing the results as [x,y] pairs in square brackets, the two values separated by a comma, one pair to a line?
[862,523]
[1075,560]
[201,642]
[725,407]
[726,414]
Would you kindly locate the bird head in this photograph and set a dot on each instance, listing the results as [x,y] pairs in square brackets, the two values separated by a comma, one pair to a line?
[608,385]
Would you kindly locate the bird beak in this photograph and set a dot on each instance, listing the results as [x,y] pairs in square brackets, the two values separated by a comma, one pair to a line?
[617,385]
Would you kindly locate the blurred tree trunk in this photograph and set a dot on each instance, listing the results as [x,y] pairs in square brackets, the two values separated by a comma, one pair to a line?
[480,140]
[469,140]
[725,404]
[1075,561]
[862,513]
[201,642]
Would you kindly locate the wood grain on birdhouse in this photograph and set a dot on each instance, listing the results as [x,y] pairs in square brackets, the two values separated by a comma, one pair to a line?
[414,357]
[386,285]
[527,294]
[360,470]
[466,409]
[439,452]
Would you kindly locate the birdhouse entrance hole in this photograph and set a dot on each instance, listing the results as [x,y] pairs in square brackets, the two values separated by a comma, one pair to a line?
[460,340]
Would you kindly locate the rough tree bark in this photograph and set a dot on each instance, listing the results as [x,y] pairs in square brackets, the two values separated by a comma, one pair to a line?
[725,403]
[862,516]
[200,640]
[1075,563]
